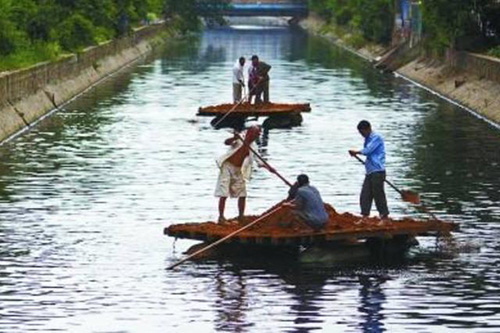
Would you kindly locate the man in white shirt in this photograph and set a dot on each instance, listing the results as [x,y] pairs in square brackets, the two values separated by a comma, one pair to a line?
[238,80]
[235,170]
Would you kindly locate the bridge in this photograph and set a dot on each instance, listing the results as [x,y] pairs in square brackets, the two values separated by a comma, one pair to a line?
[287,8]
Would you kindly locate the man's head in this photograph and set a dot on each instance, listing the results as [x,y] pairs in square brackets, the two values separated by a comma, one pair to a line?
[302,180]
[364,128]
[253,133]
[255,60]
[242,61]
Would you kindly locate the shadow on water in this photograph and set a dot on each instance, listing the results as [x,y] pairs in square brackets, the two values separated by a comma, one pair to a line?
[306,289]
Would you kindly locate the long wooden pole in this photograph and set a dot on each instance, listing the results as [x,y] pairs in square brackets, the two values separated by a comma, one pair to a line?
[214,244]
[236,105]
[265,162]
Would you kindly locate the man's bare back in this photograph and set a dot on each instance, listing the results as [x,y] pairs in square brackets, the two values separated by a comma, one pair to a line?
[239,156]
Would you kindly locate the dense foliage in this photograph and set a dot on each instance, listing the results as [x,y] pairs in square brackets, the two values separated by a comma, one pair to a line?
[374,19]
[191,10]
[463,24]
[39,30]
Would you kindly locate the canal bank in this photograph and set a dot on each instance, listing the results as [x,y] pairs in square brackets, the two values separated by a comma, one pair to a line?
[471,81]
[29,94]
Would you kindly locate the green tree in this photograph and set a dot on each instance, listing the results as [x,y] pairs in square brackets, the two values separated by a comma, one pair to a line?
[10,36]
[191,11]
[373,18]
[76,32]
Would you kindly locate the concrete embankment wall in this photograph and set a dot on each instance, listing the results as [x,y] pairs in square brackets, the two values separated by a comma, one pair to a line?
[28,94]
[470,80]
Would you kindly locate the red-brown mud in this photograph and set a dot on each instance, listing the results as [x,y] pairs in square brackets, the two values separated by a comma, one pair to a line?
[284,223]
[256,108]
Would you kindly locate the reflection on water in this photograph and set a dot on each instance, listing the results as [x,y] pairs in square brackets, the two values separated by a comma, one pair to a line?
[85,195]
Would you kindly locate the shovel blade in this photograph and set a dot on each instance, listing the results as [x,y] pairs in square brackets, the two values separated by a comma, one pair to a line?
[410,197]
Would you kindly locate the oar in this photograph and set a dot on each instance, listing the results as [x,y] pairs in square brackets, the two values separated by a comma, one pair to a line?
[214,244]
[236,105]
[406,195]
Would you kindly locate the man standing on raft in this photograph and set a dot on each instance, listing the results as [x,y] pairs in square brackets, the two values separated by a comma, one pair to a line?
[373,185]
[258,80]
[238,80]
[235,170]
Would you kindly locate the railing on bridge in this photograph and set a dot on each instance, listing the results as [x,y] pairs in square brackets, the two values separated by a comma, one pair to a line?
[291,8]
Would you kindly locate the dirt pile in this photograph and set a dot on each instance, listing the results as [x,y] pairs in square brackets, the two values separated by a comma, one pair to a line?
[250,108]
[284,223]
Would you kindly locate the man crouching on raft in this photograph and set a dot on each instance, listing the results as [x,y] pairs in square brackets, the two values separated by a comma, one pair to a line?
[307,203]
[235,170]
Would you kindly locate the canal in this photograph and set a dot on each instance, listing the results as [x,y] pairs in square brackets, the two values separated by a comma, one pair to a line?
[85,195]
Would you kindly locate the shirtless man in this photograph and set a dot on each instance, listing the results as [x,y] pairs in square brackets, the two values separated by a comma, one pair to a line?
[235,170]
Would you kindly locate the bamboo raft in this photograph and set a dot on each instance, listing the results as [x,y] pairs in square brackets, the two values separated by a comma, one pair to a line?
[285,230]
[254,110]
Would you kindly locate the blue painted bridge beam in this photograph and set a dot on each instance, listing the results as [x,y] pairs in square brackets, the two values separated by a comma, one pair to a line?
[266,9]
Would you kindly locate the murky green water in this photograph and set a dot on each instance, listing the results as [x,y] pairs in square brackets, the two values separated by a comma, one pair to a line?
[85,196]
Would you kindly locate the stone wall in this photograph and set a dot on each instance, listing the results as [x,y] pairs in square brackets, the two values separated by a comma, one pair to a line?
[468,79]
[28,94]
[482,65]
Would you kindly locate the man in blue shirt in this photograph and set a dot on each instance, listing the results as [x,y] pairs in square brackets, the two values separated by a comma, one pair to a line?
[373,186]
[307,203]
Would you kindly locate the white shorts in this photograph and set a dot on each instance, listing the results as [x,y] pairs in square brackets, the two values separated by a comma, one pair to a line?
[231,182]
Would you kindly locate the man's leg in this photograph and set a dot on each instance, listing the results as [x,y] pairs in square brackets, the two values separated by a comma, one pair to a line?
[241,207]
[265,88]
[259,89]
[366,197]
[236,93]
[251,92]
[258,95]
[379,194]
[222,190]
[222,208]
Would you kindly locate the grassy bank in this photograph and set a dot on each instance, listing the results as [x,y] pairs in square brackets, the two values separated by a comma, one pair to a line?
[347,38]
[36,31]
[33,31]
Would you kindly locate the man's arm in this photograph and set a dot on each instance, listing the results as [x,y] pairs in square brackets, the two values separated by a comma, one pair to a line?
[265,68]
[231,141]
[296,203]
[292,193]
[370,147]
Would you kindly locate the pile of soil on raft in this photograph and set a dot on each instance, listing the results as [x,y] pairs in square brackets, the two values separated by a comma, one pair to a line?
[284,223]
[271,108]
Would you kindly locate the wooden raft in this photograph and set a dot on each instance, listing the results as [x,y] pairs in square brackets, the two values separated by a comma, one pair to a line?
[210,231]
[254,110]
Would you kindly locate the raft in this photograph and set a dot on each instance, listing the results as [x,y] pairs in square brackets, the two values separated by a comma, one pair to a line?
[284,229]
[254,110]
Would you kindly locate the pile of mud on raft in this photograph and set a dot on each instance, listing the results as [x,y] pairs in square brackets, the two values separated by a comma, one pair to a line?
[283,227]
